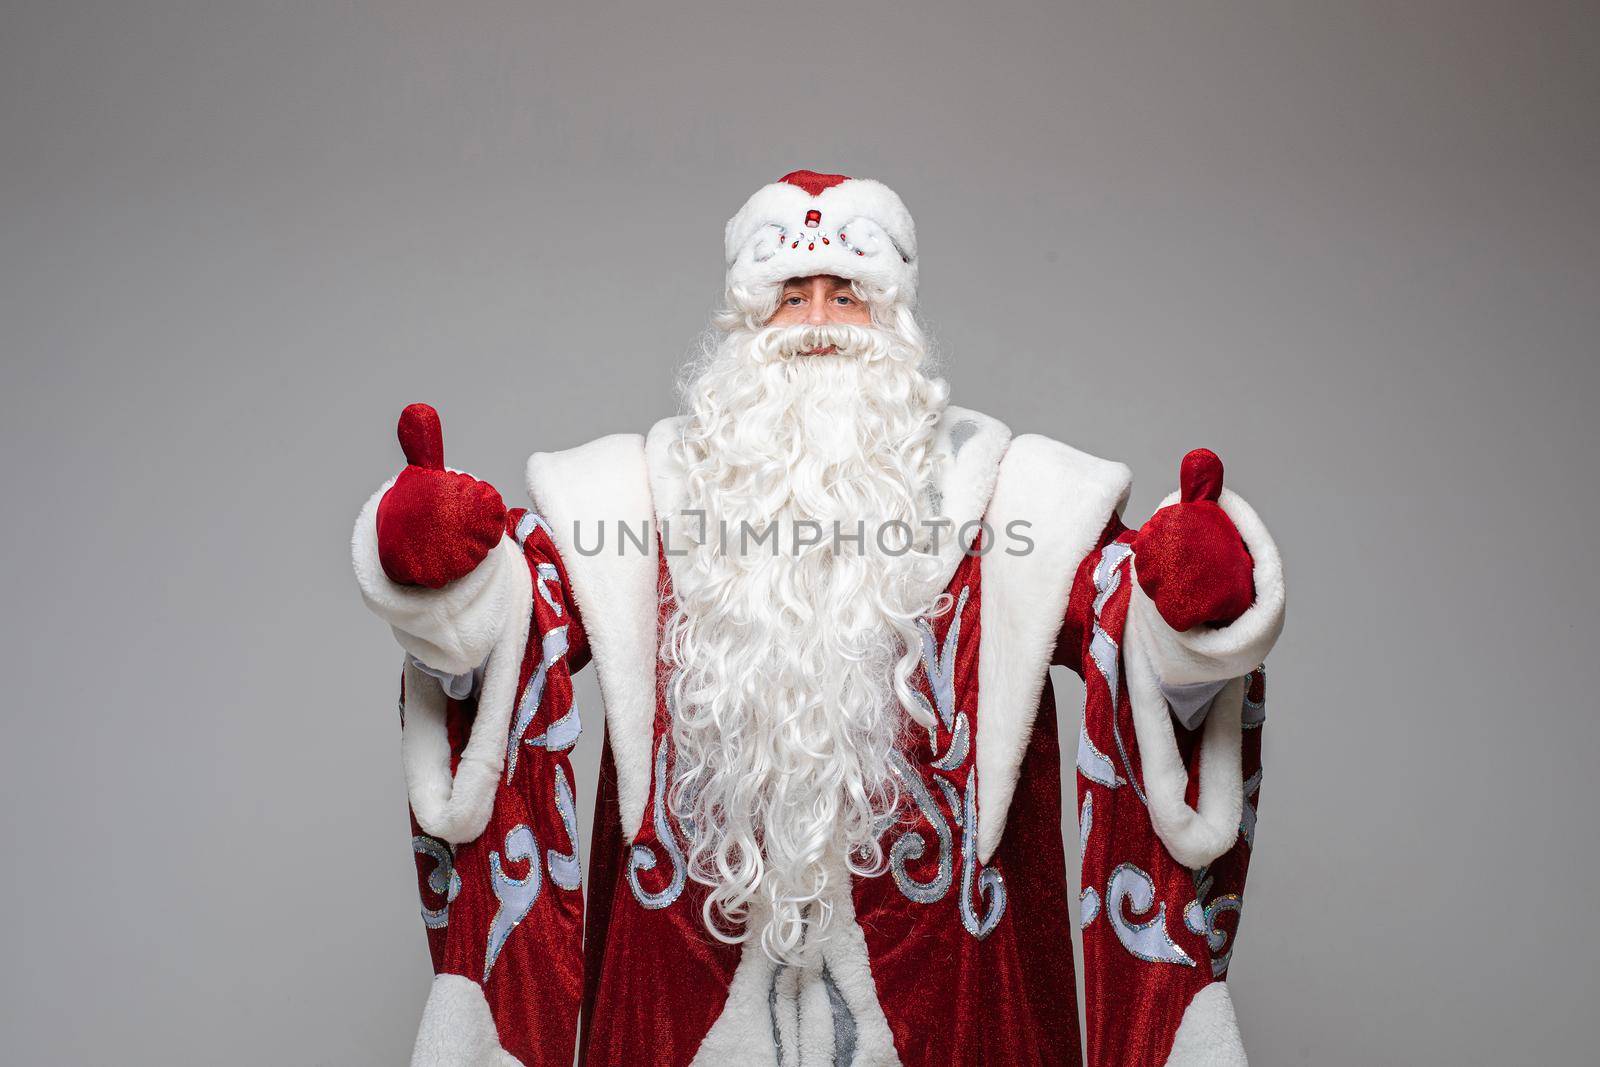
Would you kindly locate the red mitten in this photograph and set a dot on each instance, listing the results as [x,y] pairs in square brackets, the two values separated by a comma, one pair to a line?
[1190,559]
[434,525]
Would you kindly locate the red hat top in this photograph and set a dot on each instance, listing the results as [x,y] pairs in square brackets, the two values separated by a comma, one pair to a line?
[812,182]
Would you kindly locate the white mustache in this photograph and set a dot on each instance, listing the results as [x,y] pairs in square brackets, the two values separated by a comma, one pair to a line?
[787,342]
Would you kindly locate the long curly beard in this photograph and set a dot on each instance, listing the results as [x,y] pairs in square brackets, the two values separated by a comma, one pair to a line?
[793,661]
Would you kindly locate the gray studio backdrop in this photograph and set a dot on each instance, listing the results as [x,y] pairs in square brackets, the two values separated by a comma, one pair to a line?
[1352,247]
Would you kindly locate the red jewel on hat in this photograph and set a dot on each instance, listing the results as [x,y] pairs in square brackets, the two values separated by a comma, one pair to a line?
[813,217]
[812,247]
[826,241]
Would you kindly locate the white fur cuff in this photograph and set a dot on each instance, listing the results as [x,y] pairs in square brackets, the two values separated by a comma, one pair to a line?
[1155,655]
[457,1029]
[1208,1035]
[456,807]
[1211,655]
[449,629]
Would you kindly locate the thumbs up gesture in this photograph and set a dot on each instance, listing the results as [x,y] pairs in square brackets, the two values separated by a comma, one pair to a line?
[1189,556]
[434,525]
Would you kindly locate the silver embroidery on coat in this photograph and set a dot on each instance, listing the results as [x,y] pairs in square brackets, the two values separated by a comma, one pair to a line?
[547,574]
[641,858]
[1247,817]
[1088,907]
[1149,940]
[1201,917]
[911,844]
[562,734]
[1088,900]
[1202,920]
[786,1024]
[787,991]
[960,745]
[960,434]
[940,664]
[530,522]
[566,868]
[979,888]
[516,895]
[442,880]
[1104,652]
[951,797]
[1106,574]
[1094,764]
[989,882]
[1255,711]
[553,646]
[844,1022]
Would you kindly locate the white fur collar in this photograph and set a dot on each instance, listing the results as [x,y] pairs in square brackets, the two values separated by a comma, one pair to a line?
[582,492]
[1066,497]
[613,480]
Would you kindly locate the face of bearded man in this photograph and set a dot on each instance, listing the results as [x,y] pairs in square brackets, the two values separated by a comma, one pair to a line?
[793,660]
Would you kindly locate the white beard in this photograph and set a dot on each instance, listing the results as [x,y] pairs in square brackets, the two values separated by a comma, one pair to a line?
[793,662]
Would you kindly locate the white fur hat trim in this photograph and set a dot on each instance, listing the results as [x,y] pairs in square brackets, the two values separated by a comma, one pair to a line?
[806,223]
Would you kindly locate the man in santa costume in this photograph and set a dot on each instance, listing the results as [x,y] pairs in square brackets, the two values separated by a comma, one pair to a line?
[822,605]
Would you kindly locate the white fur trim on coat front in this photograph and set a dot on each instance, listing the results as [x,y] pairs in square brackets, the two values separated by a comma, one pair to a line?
[785,1016]
[1154,653]
[1065,497]
[968,447]
[579,491]
[1208,1034]
[457,1028]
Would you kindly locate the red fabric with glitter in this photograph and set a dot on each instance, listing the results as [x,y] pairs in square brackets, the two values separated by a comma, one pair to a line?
[534,984]
[1192,562]
[434,525]
[662,978]
[1135,1003]
[951,997]
[606,856]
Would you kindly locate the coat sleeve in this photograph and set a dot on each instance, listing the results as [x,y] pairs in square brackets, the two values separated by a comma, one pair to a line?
[1168,777]
[487,723]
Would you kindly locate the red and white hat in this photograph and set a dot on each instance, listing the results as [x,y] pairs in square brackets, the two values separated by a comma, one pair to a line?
[807,223]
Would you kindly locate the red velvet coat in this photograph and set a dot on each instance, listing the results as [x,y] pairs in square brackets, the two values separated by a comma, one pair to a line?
[961,952]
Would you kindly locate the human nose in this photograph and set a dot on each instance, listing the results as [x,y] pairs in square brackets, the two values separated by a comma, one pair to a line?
[817,312]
